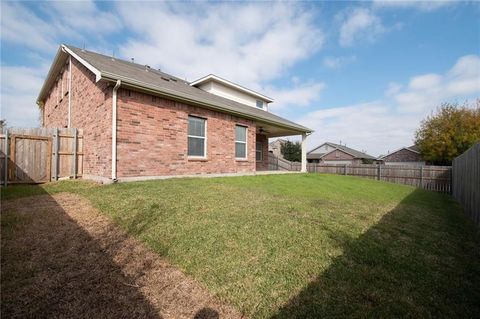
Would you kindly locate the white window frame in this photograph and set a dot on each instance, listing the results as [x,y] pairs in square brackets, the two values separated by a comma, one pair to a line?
[257,151]
[263,104]
[195,136]
[243,142]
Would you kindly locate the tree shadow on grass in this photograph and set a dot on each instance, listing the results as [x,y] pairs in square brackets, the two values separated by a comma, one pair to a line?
[419,260]
[51,267]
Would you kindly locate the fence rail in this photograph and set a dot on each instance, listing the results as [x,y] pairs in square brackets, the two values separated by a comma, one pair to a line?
[434,178]
[37,155]
[466,182]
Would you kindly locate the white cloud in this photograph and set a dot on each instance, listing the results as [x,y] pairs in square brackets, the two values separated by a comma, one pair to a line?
[413,4]
[20,86]
[359,24]
[248,44]
[392,89]
[338,62]
[299,95]
[390,124]
[36,34]
[251,44]
[82,21]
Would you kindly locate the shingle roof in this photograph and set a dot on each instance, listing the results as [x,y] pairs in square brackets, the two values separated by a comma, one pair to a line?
[351,151]
[162,83]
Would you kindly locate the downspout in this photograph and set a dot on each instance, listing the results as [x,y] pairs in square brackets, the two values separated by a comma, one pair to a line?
[69,90]
[114,131]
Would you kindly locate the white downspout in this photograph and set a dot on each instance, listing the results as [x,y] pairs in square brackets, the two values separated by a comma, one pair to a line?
[114,131]
[69,90]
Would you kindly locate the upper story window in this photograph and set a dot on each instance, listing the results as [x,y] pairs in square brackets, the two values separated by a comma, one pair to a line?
[260,104]
[197,137]
[240,141]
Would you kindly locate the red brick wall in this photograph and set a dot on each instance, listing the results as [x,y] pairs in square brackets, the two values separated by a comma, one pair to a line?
[403,155]
[91,110]
[152,138]
[263,165]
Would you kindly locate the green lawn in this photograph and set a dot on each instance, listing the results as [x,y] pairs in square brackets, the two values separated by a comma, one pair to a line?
[303,245]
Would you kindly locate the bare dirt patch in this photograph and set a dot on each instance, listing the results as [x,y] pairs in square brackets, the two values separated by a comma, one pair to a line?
[62,258]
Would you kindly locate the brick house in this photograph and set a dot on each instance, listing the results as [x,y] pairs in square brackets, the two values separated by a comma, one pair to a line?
[404,156]
[140,123]
[331,153]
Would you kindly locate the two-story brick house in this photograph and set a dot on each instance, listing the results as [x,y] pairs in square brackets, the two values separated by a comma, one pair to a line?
[140,123]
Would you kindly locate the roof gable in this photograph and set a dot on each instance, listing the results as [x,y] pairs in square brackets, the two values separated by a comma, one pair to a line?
[412,149]
[214,78]
[345,149]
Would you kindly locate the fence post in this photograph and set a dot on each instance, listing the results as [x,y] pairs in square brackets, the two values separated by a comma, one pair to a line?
[74,164]
[421,177]
[55,149]
[345,169]
[379,172]
[6,157]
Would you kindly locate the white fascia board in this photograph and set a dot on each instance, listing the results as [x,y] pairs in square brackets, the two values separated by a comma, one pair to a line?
[212,77]
[98,74]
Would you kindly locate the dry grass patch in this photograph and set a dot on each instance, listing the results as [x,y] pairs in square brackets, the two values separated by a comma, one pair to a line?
[62,258]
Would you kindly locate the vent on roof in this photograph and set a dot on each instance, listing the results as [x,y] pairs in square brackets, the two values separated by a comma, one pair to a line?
[147,67]
[166,79]
[173,79]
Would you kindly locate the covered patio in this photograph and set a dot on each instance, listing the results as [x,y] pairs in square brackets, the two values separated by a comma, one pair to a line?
[265,131]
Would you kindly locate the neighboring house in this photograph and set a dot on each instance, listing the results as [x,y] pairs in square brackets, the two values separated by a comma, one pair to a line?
[404,156]
[141,123]
[331,153]
[275,147]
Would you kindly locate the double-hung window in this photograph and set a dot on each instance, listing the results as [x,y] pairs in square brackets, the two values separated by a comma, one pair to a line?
[197,137]
[240,142]
[259,151]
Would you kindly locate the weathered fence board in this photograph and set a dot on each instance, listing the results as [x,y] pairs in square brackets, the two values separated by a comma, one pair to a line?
[466,182]
[435,178]
[37,155]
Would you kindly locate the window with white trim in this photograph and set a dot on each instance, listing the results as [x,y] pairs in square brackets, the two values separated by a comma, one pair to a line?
[260,104]
[197,137]
[240,141]
[259,151]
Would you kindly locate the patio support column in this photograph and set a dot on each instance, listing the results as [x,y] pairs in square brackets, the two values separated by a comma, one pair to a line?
[304,153]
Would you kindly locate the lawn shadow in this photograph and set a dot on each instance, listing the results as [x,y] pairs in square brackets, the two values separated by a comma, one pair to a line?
[417,261]
[52,267]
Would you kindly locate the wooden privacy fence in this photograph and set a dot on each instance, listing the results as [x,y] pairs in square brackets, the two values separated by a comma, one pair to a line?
[276,163]
[466,182]
[434,178]
[38,155]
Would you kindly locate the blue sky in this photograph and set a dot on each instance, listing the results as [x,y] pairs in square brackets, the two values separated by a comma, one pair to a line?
[364,73]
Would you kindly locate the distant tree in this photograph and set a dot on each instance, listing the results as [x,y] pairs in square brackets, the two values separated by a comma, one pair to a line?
[291,151]
[449,132]
[3,124]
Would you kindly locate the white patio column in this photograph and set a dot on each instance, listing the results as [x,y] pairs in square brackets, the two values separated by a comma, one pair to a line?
[304,153]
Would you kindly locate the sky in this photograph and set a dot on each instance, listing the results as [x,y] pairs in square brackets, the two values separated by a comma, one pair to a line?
[363,73]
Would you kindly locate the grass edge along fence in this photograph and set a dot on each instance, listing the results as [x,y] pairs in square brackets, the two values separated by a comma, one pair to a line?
[466,182]
[434,178]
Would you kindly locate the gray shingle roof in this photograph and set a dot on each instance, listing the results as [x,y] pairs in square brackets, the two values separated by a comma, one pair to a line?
[353,152]
[140,76]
